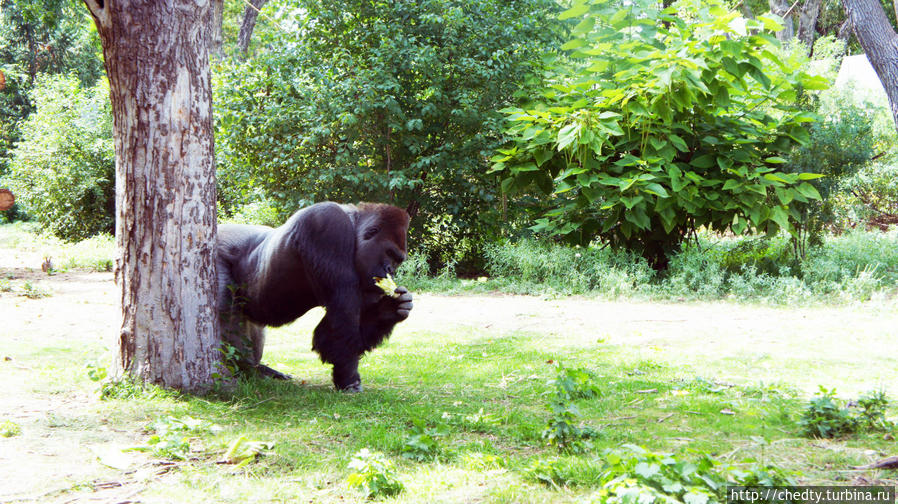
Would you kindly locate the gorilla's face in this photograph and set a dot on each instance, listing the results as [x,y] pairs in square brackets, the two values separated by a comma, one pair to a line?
[381,245]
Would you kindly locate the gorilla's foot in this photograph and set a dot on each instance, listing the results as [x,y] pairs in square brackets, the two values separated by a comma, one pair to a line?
[346,377]
[353,388]
[266,371]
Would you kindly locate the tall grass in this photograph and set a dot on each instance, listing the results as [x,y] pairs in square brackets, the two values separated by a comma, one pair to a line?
[96,253]
[856,266]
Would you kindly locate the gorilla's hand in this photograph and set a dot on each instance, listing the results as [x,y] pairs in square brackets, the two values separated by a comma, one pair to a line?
[403,303]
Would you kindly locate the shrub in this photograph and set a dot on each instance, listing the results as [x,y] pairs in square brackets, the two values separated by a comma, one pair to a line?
[63,170]
[642,151]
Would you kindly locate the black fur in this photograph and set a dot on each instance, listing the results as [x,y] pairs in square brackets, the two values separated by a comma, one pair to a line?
[324,255]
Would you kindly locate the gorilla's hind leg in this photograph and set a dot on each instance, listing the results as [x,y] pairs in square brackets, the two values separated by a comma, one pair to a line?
[247,340]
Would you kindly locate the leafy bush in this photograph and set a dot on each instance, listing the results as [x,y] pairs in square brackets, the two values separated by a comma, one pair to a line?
[855,266]
[661,124]
[828,417]
[63,170]
[374,474]
[562,432]
[841,142]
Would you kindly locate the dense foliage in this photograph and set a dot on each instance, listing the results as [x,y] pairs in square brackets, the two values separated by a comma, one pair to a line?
[37,37]
[660,124]
[383,101]
[63,171]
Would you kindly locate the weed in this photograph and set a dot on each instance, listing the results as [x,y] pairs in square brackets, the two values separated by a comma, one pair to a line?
[574,384]
[483,461]
[872,414]
[422,445]
[827,417]
[565,472]
[562,433]
[242,451]
[481,420]
[32,291]
[374,474]
[171,436]
[8,429]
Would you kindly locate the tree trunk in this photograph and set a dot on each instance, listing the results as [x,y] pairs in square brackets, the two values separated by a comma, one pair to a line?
[215,48]
[250,14]
[781,8]
[157,59]
[807,22]
[880,43]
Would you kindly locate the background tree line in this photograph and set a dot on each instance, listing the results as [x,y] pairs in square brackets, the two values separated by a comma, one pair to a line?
[425,106]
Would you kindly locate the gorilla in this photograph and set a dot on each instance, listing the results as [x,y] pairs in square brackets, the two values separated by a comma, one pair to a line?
[324,255]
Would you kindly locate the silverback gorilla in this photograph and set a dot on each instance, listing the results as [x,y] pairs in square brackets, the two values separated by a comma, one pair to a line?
[324,255]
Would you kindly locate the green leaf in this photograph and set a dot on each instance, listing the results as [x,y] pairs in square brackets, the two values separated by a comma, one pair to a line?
[656,189]
[703,161]
[618,17]
[772,22]
[810,176]
[573,44]
[679,143]
[577,10]
[584,27]
[778,214]
[809,191]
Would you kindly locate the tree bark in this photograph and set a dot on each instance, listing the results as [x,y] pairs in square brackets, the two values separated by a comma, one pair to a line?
[880,43]
[157,59]
[250,14]
[807,22]
[781,8]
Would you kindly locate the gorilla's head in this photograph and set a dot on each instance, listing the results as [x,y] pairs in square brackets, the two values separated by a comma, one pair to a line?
[380,240]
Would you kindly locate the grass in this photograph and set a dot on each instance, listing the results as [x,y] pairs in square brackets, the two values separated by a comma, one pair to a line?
[486,397]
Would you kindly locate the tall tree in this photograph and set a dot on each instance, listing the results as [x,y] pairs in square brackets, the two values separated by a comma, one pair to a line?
[250,14]
[880,42]
[157,59]
[807,21]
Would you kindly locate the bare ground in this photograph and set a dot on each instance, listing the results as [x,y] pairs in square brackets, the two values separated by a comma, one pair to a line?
[853,347]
